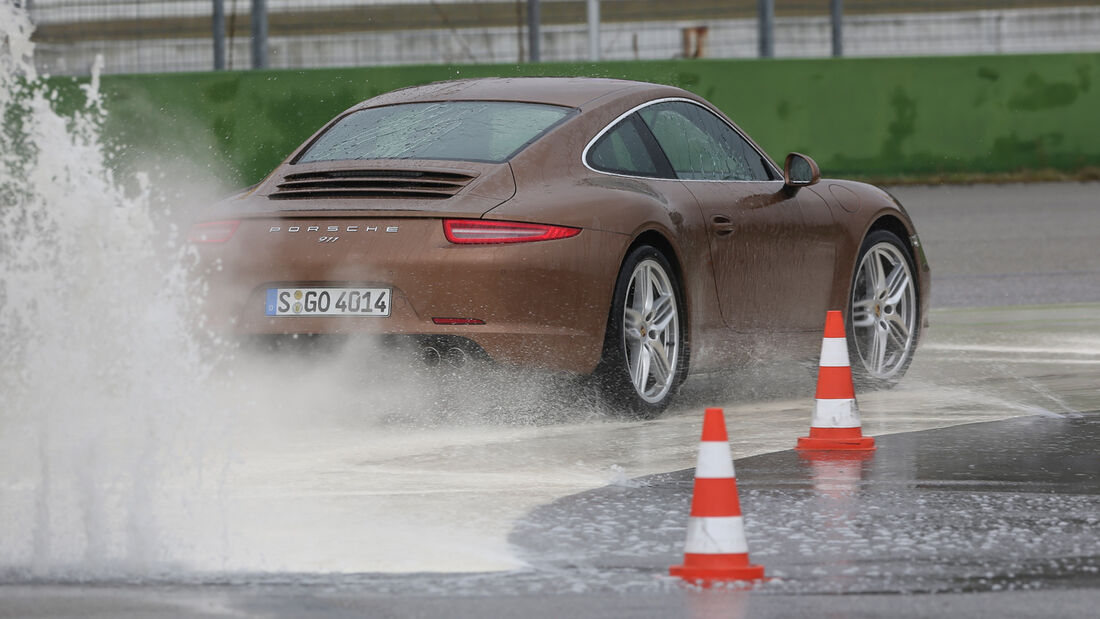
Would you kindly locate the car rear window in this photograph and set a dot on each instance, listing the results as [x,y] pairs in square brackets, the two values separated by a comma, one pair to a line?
[464,130]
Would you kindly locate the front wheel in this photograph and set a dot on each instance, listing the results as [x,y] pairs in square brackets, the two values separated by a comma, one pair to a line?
[883,312]
[644,357]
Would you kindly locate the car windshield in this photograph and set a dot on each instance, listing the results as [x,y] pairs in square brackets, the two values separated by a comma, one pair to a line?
[466,130]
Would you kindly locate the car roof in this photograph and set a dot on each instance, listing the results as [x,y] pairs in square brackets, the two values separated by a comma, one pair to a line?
[566,91]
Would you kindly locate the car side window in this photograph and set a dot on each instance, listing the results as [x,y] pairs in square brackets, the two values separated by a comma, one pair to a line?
[701,146]
[622,150]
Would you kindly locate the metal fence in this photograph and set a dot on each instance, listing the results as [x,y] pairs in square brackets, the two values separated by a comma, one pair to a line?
[179,35]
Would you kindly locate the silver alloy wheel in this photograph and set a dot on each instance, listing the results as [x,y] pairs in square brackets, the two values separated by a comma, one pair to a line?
[884,311]
[651,331]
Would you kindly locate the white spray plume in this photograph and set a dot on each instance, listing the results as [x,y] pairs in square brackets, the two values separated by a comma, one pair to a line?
[102,385]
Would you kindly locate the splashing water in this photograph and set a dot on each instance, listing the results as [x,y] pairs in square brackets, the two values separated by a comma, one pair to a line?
[103,423]
[124,453]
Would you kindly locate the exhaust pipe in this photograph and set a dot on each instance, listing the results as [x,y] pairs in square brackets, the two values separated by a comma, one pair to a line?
[430,356]
[456,357]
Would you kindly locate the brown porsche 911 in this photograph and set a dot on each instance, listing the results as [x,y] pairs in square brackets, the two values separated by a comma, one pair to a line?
[620,229]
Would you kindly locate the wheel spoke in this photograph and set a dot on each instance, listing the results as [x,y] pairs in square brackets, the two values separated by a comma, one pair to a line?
[897,286]
[890,280]
[660,365]
[898,330]
[878,349]
[863,320]
[875,274]
[640,373]
[861,313]
[632,322]
[642,302]
[634,359]
[635,349]
[664,310]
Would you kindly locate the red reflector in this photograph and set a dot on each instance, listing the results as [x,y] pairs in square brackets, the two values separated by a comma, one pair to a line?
[458,321]
[471,231]
[213,231]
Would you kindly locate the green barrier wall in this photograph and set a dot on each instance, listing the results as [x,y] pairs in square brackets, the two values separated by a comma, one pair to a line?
[870,117]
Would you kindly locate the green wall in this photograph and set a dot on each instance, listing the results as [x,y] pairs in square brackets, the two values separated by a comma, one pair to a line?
[858,117]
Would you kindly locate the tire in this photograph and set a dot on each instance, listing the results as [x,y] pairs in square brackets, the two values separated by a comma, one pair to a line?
[884,319]
[645,352]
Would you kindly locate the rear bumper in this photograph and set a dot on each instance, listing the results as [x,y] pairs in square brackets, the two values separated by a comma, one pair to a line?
[544,304]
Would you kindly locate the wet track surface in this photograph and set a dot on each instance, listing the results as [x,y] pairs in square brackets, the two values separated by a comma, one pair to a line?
[1009,507]
[1001,245]
[393,498]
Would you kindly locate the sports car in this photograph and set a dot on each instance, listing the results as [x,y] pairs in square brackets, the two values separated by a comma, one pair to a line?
[623,230]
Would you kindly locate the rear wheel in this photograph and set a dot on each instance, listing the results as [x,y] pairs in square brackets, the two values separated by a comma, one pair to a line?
[883,313]
[644,358]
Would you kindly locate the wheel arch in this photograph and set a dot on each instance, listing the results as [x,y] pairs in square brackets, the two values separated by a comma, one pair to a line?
[658,241]
[894,224]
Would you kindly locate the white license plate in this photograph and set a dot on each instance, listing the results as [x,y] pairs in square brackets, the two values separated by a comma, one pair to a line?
[328,302]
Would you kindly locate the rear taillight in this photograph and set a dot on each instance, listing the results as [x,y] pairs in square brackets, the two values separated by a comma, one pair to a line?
[213,231]
[458,321]
[470,231]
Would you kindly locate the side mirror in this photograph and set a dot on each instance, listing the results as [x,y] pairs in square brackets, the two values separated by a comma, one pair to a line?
[800,171]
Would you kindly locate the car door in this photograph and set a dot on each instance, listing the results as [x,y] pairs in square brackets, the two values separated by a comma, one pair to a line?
[773,251]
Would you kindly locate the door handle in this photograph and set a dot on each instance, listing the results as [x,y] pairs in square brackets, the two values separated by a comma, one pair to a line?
[723,225]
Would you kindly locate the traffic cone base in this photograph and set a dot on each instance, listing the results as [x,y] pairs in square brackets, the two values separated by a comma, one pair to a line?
[863,443]
[709,568]
[836,438]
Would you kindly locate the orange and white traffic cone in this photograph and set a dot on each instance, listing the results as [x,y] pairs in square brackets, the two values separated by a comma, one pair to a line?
[835,423]
[715,548]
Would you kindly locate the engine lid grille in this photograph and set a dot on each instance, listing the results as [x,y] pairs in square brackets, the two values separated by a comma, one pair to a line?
[414,184]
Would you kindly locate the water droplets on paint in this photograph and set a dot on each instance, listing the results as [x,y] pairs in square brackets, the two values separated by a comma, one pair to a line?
[103,425]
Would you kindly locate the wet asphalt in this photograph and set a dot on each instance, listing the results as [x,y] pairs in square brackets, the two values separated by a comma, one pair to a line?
[996,506]
[988,519]
[1017,244]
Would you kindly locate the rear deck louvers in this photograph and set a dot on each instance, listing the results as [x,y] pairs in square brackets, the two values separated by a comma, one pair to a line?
[411,184]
